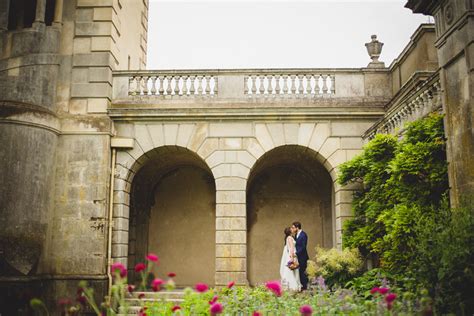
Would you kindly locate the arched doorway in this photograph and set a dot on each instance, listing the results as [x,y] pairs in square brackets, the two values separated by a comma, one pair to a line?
[173,215]
[287,184]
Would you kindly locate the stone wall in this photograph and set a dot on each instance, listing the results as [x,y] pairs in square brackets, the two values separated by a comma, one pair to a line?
[231,150]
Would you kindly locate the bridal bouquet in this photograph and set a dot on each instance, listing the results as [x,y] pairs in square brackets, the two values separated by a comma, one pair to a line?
[293,264]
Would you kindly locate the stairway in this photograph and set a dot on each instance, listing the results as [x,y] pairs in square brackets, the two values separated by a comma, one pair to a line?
[135,304]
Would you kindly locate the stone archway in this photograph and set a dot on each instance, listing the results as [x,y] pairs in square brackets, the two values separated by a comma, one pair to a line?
[172,214]
[287,183]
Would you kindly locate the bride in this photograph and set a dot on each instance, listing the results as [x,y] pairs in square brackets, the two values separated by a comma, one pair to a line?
[290,279]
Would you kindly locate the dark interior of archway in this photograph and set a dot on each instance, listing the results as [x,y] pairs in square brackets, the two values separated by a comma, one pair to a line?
[287,184]
[172,214]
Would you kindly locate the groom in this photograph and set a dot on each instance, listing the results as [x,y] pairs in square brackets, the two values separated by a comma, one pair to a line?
[301,253]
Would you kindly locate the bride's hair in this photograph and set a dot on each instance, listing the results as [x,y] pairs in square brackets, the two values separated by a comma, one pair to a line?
[287,232]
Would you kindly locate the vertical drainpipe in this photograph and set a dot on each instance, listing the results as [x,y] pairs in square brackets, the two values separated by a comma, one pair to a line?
[110,221]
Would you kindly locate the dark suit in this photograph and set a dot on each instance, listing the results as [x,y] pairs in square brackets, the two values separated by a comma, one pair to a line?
[303,257]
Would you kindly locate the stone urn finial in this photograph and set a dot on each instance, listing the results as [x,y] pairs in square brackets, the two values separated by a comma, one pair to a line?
[374,48]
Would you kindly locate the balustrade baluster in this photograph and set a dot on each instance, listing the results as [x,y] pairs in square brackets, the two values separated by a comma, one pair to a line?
[325,84]
[308,85]
[161,89]
[261,89]
[185,85]
[168,87]
[145,85]
[254,85]
[270,85]
[277,84]
[199,80]
[300,85]
[293,86]
[192,89]
[285,84]
[246,85]
[153,85]
[176,85]
[208,85]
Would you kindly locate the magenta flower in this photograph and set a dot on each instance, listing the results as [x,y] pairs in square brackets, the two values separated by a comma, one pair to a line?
[214,299]
[117,266]
[139,267]
[374,290]
[390,297]
[130,288]
[257,314]
[175,308]
[383,290]
[141,295]
[216,309]
[201,287]
[156,284]
[230,285]
[306,310]
[275,287]
[152,257]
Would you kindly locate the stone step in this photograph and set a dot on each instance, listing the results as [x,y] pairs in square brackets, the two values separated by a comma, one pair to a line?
[134,303]
[138,302]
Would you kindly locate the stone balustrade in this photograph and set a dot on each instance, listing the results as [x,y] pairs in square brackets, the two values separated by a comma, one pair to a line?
[424,99]
[169,84]
[250,85]
[290,85]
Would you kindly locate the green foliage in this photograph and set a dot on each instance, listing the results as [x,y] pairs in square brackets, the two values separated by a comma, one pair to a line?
[246,301]
[336,266]
[402,218]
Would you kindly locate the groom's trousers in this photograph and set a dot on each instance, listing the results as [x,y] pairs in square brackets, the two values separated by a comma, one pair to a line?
[303,275]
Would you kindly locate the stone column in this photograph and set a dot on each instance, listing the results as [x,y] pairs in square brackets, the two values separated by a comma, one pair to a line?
[58,14]
[40,13]
[455,36]
[231,232]
[4,11]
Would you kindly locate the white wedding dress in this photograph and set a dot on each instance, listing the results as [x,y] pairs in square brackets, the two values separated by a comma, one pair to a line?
[290,279]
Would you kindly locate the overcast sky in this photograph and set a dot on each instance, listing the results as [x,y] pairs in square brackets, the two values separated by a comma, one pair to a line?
[275,34]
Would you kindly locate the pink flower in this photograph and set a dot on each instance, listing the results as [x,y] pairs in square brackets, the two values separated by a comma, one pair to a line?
[257,314]
[139,267]
[374,290]
[390,297]
[306,310]
[383,290]
[216,309]
[142,312]
[131,288]
[117,266]
[156,284]
[152,257]
[275,287]
[230,285]
[171,274]
[201,287]
[214,299]
[175,308]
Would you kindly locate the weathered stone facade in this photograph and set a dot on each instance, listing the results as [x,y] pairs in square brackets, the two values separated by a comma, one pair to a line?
[101,163]
[454,42]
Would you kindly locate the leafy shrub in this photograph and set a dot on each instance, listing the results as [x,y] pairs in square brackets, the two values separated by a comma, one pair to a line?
[336,266]
[402,217]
